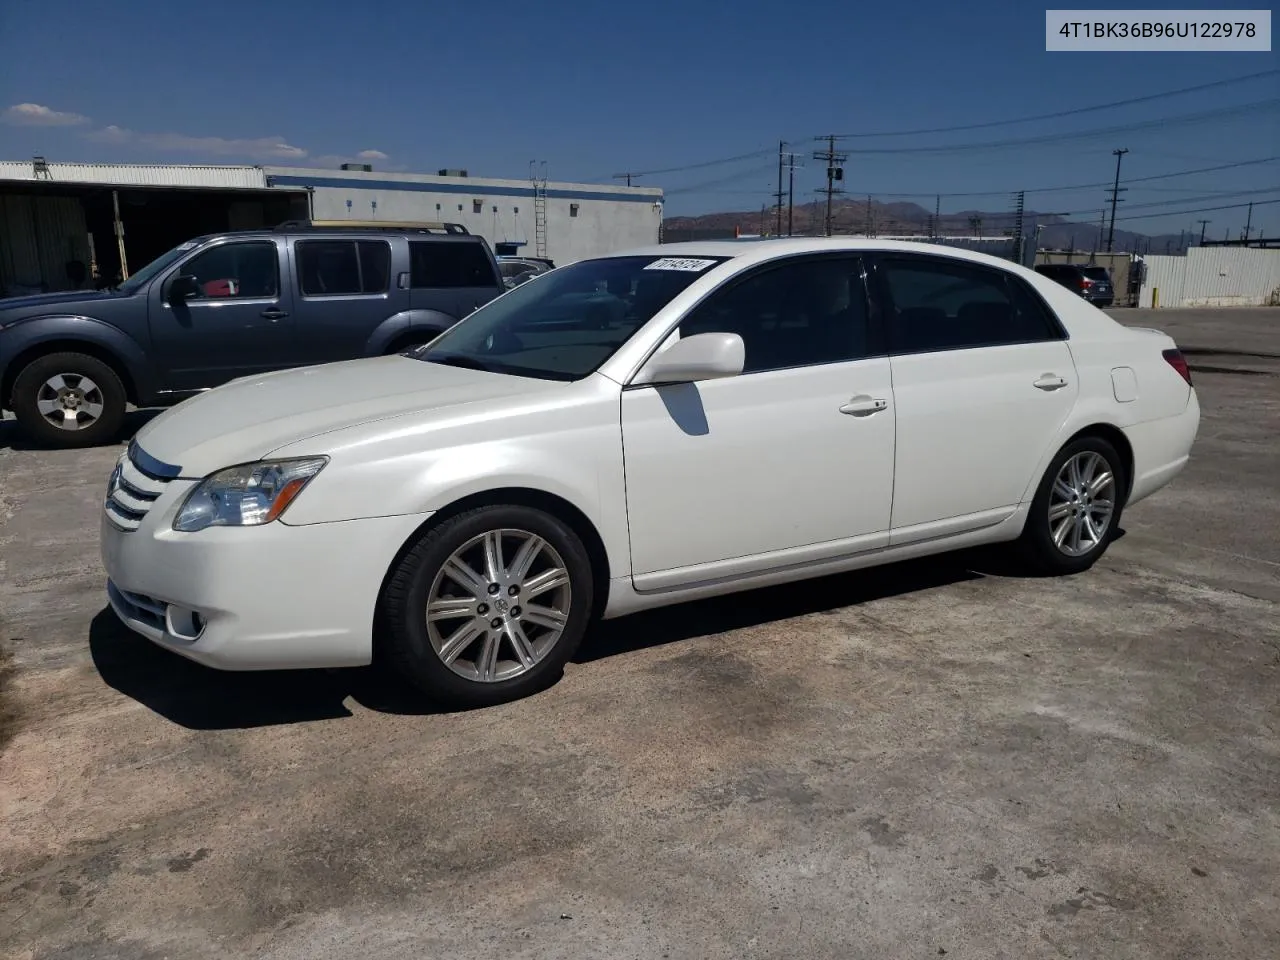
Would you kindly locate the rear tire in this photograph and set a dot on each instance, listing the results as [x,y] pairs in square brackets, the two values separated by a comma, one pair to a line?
[1076,509]
[69,400]
[488,606]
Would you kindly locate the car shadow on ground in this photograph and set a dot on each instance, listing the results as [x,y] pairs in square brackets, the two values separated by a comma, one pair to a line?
[199,698]
[14,437]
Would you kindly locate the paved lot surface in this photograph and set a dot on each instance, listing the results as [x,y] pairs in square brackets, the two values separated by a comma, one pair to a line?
[934,759]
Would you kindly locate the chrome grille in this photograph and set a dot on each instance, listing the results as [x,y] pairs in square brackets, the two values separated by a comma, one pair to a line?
[136,483]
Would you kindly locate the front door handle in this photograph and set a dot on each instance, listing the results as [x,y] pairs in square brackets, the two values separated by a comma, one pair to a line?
[1051,381]
[864,406]
[271,313]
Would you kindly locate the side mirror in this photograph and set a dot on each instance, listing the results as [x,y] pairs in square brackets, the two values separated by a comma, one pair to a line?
[183,287]
[704,356]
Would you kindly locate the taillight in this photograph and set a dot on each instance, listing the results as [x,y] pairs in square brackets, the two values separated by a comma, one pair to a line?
[1085,283]
[1179,363]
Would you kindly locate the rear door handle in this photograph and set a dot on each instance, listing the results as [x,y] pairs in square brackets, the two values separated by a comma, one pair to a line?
[271,313]
[864,406]
[1051,381]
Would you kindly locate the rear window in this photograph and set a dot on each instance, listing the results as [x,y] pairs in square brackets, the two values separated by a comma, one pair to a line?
[436,265]
[1097,273]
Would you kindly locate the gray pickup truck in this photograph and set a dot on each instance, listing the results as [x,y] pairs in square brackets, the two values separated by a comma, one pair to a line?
[231,305]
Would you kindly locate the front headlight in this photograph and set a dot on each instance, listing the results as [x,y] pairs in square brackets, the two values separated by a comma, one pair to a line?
[247,495]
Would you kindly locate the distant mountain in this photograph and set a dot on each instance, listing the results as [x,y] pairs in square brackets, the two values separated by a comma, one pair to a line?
[889,219]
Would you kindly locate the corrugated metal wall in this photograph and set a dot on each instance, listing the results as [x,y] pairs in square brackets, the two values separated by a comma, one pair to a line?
[139,175]
[1231,276]
[1167,275]
[38,236]
[1214,277]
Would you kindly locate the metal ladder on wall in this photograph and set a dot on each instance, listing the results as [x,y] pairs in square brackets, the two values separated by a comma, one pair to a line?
[539,181]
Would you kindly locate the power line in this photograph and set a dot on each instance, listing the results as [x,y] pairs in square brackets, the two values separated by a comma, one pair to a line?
[1176,213]
[1218,113]
[1062,113]
[1087,186]
[768,151]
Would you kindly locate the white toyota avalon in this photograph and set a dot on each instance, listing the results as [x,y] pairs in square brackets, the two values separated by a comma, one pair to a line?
[634,431]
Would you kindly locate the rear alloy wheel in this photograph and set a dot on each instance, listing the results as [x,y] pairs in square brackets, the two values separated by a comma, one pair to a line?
[489,606]
[69,400]
[1076,509]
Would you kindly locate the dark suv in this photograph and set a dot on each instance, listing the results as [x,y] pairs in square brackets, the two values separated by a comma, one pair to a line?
[1092,283]
[231,305]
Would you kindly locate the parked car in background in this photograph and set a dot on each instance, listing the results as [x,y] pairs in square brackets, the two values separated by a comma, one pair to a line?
[516,270]
[787,408]
[1092,283]
[230,305]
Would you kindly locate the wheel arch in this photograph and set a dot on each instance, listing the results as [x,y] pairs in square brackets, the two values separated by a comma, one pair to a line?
[89,348]
[550,503]
[406,327]
[1116,437]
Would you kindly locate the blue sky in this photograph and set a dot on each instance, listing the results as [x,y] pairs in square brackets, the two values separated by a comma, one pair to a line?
[598,88]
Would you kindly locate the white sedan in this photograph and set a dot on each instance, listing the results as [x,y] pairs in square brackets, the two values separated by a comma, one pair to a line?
[634,431]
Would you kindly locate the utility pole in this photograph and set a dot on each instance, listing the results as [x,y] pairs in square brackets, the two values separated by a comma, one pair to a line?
[1102,223]
[1115,195]
[626,176]
[1248,224]
[937,215]
[1202,226]
[791,193]
[835,171]
[777,227]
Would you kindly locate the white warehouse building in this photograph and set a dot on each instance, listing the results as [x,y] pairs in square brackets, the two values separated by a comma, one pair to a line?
[64,224]
[577,220]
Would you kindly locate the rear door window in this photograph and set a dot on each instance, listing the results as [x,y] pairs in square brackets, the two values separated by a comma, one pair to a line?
[330,268]
[443,265]
[937,304]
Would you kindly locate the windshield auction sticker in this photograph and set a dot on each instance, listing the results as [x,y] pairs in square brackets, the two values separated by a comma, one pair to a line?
[1218,31]
[688,264]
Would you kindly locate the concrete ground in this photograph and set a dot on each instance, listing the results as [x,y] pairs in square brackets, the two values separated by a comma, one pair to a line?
[934,759]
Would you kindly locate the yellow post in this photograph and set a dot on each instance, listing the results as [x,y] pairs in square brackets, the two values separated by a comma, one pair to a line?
[1155,297]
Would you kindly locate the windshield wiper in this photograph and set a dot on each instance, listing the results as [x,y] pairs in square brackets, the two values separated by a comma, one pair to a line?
[459,360]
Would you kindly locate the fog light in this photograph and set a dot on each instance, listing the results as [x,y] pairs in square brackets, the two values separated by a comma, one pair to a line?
[184,624]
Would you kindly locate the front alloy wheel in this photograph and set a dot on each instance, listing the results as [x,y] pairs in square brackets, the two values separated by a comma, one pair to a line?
[488,606]
[499,605]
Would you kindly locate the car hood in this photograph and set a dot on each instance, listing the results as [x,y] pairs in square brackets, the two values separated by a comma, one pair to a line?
[246,419]
[13,307]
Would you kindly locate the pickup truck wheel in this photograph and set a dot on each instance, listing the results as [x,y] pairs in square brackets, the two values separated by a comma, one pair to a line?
[69,400]
[489,605]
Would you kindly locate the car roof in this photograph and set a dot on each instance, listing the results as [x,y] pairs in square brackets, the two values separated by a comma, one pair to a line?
[757,251]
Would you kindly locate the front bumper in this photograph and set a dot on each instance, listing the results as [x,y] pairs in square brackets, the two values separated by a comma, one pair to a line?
[254,598]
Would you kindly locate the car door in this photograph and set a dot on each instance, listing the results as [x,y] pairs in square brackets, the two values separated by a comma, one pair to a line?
[982,381]
[451,275]
[237,324]
[789,462]
[344,292]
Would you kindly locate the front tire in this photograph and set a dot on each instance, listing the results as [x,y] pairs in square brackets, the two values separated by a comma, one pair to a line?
[69,400]
[489,605]
[1076,510]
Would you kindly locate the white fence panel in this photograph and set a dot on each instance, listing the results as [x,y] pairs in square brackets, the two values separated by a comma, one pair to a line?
[1166,275]
[1231,277]
[1214,277]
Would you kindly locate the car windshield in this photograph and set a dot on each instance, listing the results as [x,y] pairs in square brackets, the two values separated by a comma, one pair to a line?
[513,268]
[158,265]
[563,325]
